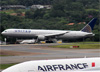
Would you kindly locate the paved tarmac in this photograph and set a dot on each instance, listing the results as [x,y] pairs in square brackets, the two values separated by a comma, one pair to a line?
[45,52]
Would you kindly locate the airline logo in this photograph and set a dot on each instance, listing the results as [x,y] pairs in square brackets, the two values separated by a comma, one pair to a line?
[87,29]
[60,67]
[25,31]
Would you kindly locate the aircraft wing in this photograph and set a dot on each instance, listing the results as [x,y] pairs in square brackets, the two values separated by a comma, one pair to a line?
[55,34]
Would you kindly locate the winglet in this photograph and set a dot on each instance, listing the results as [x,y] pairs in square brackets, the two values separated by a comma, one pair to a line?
[89,27]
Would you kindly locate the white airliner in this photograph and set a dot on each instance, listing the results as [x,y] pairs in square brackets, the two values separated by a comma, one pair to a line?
[58,65]
[41,35]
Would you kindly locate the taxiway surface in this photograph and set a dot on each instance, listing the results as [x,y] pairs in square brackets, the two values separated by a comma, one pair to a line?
[43,52]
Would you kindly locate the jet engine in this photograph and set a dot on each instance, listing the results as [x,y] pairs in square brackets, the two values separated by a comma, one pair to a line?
[41,37]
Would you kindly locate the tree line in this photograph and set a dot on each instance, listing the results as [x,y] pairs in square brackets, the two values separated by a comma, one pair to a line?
[86,3]
[25,2]
[62,13]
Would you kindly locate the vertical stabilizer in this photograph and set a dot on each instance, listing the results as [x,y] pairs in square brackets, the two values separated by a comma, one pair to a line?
[89,27]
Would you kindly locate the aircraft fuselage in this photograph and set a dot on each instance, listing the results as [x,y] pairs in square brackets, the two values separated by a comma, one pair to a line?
[31,33]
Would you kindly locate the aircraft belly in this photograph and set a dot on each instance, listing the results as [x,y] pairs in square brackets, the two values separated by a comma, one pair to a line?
[69,36]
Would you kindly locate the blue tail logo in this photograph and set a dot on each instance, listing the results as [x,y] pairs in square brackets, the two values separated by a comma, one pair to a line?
[89,27]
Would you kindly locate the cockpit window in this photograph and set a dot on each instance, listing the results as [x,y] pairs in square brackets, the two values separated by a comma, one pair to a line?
[5,31]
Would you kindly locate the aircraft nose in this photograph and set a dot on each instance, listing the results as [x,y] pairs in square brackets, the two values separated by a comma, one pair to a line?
[3,33]
[13,70]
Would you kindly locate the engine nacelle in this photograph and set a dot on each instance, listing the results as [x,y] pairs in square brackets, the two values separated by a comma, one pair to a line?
[41,37]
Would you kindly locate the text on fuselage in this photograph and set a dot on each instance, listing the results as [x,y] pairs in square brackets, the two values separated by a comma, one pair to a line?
[61,67]
[25,31]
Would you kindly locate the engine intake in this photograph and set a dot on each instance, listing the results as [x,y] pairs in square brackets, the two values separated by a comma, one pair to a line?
[41,37]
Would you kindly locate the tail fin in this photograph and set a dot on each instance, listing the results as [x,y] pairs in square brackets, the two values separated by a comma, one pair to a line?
[89,27]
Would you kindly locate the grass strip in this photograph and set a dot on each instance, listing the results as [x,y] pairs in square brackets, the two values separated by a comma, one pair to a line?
[4,66]
[81,46]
